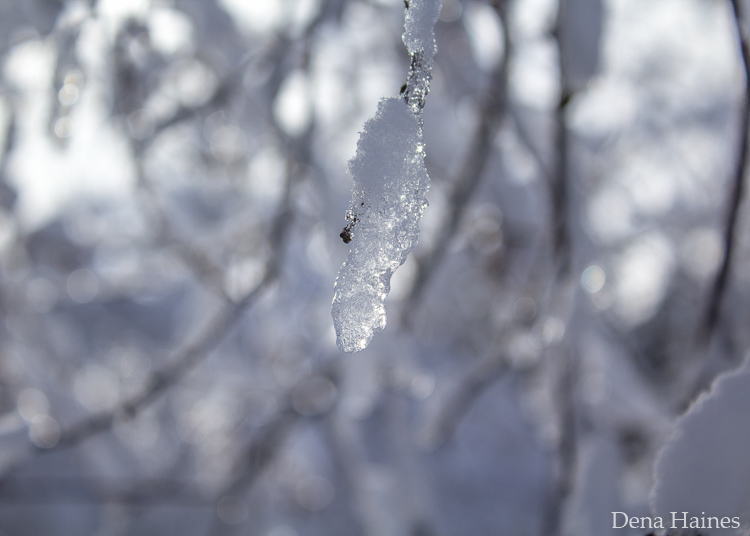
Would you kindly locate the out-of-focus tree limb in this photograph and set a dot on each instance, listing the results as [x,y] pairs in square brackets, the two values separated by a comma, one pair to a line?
[718,288]
[185,359]
[492,111]
[462,397]
[559,189]
[262,449]
[567,447]
[274,52]
[255,458]
[577,65]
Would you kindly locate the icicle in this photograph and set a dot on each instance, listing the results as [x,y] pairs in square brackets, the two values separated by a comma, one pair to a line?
[389,194]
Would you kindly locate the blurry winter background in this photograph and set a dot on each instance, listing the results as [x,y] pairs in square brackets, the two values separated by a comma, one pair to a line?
[173,181]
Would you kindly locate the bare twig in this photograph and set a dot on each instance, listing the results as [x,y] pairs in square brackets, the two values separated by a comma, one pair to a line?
[277,48]
[167,376]
[559,187]
[184,360]
[567,448]
[7,194]
[563,299]
[524,136]
[491,113]
[202,266]
[738,185]
[209,337]
[230,83]
[255,458]
[463,396]
[262,449]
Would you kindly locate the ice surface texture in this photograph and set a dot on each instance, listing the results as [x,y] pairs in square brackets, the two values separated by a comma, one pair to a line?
[389,194]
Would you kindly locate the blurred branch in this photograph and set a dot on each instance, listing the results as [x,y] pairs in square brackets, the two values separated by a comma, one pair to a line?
[225,88]
[198,261]
[203,267]
[298,149]
[492,110]
[273,53]
[169,375]
[730,226]
[524,137]
[567,447]
[8,194]
[9,138]
[184,360]
[256,457]
[349,459]
[465,393]
[559,194]
[262,449]
[564,285]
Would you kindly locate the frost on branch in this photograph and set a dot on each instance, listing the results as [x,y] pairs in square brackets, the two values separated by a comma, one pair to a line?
[419,39]
[389,194]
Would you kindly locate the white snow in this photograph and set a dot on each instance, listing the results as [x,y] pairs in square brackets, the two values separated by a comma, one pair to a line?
[419,35]
[705,468]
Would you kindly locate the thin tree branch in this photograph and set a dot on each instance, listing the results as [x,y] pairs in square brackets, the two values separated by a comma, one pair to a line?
[262,449]
[255,458]
[738,185]
[567,448]
[184,360]
[524,136]
[277,48]
[163,379]
[563,300]
[559,187]
[492,111]
[202,266]
[461,399]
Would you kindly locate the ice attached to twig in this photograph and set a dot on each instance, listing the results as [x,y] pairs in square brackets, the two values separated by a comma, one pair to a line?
[389,195]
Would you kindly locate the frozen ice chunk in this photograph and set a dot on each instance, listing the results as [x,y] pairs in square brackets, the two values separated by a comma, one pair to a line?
[389,195]
[390,186]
